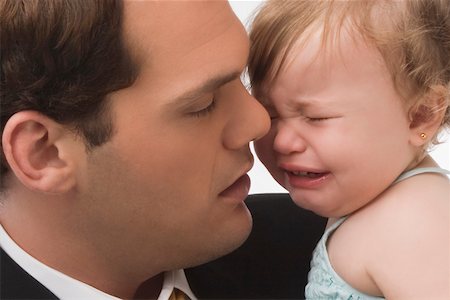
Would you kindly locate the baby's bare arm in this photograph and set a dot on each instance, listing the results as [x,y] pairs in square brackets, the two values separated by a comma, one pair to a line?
[399,245]
[412,260]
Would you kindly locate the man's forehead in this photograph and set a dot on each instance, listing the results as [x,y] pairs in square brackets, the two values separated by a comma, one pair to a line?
[169,18]
[184,48]
[179,28]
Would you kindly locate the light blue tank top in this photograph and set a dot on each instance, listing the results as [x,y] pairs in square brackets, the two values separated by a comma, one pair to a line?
[323,281]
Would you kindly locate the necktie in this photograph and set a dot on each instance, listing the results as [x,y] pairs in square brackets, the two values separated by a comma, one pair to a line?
[178,295]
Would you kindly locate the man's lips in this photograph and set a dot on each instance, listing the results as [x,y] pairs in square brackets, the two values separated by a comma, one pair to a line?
[238,191]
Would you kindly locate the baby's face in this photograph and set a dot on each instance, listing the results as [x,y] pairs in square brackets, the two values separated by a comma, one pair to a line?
[340,131]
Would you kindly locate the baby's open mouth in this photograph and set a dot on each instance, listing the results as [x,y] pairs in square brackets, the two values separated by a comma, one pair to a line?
[307,174]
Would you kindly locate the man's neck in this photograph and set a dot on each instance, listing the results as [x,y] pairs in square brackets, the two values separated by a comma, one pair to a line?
[49,237]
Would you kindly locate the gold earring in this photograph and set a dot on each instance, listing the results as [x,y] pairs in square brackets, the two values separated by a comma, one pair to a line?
[423,135]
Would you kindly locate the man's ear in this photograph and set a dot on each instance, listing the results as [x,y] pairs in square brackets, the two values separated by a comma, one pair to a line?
[39,152]
[427,116]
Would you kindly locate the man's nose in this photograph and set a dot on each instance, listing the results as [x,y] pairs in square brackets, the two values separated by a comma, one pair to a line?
[250,122]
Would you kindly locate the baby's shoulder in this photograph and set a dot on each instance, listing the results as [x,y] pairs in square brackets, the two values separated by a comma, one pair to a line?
[411,208]
[407,232]
[425,186]
[420,194]
[390,246]
[420,199]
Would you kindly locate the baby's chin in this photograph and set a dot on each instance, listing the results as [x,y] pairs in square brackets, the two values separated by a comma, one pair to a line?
[319,207]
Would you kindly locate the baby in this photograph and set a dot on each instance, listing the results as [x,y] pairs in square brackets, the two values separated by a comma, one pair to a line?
[358,91]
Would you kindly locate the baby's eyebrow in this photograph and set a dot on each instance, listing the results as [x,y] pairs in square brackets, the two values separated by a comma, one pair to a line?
[302,103]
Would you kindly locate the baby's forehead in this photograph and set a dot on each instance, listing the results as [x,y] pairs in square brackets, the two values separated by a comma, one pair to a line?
[311,65]
[334,28]
[317,49]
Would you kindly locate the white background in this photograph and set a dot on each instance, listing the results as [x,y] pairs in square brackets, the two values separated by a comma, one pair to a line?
[262,182]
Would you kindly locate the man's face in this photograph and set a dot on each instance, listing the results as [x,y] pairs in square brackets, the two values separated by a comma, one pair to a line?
[167,190]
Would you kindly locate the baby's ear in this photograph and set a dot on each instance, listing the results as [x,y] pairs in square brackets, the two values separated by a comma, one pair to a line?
[427,115]
[39,152]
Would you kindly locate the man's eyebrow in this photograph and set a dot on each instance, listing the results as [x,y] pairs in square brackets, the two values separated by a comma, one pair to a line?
[206,87]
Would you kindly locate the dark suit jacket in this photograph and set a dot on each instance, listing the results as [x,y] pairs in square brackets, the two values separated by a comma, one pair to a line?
[272,263]
[15,283]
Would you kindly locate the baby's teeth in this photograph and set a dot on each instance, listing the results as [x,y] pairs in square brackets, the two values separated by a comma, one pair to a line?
[306,174]
[296,173]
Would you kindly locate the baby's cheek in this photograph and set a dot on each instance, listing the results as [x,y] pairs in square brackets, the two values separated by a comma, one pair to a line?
[263,147]
[265,152]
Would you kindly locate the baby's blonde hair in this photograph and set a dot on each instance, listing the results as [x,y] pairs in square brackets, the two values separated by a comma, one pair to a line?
[412,36]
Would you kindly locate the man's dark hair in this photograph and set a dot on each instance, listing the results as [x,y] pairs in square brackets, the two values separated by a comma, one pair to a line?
[61,58]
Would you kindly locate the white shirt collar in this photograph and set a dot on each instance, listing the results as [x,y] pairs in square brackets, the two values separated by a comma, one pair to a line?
[68,288]
[175,279]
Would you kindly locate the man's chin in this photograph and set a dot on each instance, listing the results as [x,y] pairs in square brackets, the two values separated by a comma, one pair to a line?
[223,244]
